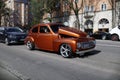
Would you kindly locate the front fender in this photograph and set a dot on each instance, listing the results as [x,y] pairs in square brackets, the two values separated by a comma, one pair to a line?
[57,43]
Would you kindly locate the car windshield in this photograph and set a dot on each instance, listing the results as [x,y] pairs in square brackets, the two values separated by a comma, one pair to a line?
[56,27]
[14,30]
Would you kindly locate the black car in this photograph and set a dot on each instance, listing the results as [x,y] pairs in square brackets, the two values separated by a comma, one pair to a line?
[12,35]
[101,35]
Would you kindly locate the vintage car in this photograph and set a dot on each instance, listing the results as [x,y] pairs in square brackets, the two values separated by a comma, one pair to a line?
[57,37]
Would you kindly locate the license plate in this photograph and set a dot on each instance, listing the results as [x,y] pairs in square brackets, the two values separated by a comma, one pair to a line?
[22,39]
[85,45]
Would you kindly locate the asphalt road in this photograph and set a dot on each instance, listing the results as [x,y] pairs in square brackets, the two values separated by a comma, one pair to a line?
[101,64]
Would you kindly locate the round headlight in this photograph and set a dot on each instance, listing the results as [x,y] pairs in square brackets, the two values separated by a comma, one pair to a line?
[78,45]
[94,42]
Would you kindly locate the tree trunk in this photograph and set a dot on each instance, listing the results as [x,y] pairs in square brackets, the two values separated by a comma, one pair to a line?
[0,20]
[78,21]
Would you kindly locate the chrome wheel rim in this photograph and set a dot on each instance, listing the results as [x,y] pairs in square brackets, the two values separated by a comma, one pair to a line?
[29,45]
[65,50]
[6,41]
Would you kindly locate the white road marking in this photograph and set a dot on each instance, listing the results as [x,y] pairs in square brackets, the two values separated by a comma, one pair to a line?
[108,45]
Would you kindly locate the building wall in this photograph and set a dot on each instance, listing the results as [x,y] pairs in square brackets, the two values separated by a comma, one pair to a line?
[19,12]
[103,15]
[96,16]
[117,13]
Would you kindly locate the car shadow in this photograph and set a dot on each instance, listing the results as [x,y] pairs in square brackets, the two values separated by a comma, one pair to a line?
[16,44]
[88,54]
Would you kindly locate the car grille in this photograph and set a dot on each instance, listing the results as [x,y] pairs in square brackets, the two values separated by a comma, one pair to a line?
[86,45]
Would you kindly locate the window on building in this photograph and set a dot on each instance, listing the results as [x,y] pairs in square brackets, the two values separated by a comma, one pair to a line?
[92,8]
[86,8]
[103,21]
[103,7]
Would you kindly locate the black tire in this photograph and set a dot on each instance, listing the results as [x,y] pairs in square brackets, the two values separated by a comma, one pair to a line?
[115,37]
[30,45]
[65,51]
[7,41]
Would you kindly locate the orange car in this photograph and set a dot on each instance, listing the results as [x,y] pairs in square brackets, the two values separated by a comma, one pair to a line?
[59,38]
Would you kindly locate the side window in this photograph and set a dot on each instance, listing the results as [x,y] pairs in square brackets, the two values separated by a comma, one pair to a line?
[35,30]
[44,29]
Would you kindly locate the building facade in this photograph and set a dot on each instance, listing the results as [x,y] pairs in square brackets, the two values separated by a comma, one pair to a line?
[117,11]
[18,16]
[94,15]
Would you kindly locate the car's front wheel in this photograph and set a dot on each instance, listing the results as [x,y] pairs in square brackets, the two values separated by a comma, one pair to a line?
[30,45]
[65,50]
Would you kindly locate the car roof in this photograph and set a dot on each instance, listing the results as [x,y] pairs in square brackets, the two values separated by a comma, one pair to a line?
[5,28]
[49,24]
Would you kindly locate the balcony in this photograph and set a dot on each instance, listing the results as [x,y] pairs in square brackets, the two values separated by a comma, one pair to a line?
[88,15]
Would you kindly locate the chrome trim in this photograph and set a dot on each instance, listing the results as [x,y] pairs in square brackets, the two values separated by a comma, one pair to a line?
[82,52]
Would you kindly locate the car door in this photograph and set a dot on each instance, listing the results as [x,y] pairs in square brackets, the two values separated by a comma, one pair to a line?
[45,38]
[34,34]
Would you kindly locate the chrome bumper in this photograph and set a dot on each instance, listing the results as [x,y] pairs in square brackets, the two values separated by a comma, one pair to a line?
[85,51]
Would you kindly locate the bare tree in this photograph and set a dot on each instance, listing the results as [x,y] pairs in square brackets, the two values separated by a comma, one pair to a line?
[73,4]
[112,3]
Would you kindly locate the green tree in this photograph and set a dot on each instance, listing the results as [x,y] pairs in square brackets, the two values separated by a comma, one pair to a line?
[37,11]
[50,7]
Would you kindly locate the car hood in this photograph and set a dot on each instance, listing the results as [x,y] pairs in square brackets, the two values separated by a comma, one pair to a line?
[71,32]
[16,33]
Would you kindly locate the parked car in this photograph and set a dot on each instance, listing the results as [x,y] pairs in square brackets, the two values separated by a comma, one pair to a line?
[59,38]
[12,35]
[115,33]
[101,35]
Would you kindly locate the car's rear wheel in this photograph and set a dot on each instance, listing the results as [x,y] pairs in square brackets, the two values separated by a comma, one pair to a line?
[30,45]
[65,50]
[114,38]
[7,41]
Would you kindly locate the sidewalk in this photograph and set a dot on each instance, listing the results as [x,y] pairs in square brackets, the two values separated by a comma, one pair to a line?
[6,75]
